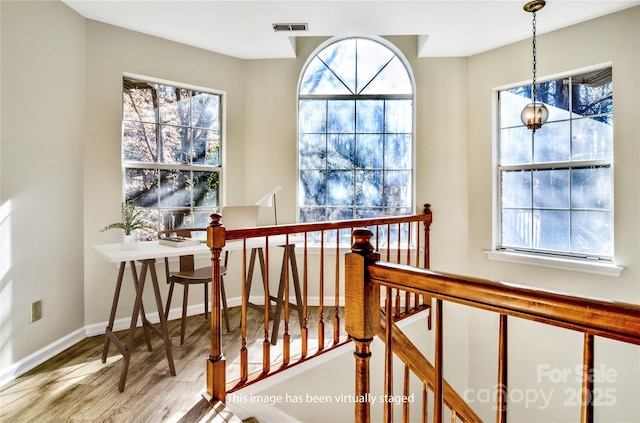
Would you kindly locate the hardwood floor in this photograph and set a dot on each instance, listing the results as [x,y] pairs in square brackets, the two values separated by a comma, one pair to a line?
[75,386]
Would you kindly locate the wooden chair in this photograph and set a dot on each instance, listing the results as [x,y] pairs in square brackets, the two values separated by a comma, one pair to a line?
[187,274]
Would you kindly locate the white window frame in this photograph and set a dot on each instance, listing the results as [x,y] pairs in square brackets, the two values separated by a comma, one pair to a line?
[220,169]
[406,64]
[602,267]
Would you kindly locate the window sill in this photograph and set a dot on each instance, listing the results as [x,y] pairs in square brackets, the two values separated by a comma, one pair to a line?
[607,269]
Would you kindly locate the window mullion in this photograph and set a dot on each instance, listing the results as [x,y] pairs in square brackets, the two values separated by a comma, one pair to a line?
[159,155]
[191,130]
[570,241]
[557,165]
[326,160]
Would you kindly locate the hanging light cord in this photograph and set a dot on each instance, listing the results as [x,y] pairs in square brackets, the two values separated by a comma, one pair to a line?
[534,115]
[533,94]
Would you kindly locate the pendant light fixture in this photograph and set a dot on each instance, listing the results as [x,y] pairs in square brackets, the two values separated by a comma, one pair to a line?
[535,114]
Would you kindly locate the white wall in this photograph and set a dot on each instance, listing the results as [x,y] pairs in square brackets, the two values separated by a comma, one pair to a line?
[41,205]
[111,52]
[454,164]
[73,68]
[616,39]
[441,179]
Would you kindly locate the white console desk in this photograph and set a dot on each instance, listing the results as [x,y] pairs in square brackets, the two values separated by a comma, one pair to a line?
[147,253]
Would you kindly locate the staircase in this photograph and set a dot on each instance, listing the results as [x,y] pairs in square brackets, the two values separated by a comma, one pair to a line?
[382,281]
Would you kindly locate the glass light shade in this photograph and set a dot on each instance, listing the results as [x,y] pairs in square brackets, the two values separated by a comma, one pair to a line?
[534,115]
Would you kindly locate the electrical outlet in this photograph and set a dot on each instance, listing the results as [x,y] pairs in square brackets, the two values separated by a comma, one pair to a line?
[36,310]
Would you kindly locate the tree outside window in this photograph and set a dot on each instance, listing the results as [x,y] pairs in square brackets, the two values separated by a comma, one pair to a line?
[171,140]
[355,133]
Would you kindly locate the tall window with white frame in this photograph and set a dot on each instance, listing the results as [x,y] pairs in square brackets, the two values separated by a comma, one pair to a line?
[556,184]
[171,142]
[355,133]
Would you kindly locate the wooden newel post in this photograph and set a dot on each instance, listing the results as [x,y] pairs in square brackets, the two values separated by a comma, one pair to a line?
[216,364]
[427,243]
[362,314]
[426,258]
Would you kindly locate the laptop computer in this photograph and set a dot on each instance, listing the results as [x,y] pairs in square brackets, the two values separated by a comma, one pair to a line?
[240,217]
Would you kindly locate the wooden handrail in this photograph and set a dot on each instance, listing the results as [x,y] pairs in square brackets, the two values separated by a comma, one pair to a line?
[217,238]
[367,276]
[601,317]
[299,228]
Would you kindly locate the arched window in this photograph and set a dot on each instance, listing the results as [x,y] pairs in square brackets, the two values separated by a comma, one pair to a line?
[355,133]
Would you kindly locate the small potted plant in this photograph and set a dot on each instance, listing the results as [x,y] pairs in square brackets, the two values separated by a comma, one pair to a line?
[132,220]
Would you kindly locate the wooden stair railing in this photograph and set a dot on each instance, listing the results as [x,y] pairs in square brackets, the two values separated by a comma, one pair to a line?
[403,239]
[366,275]
[420,366]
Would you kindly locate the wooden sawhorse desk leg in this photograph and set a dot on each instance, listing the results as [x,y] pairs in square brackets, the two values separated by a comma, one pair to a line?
[276,315]
[138,310]
[279,300]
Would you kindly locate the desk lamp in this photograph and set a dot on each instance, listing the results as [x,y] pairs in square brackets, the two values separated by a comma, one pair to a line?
[269,200]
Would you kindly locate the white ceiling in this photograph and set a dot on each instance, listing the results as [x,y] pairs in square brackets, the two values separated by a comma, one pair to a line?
[243,29]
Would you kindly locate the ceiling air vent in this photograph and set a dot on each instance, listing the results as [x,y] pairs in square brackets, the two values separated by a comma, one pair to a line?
[277,27]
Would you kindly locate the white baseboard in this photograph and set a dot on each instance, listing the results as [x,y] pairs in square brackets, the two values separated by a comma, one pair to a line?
[22,366]
[33,360]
